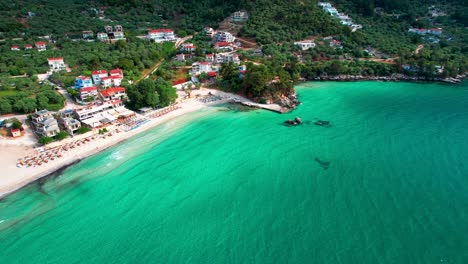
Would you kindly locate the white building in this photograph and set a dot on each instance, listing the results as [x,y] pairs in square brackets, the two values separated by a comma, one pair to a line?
[209,32]
[202,66]
[45,124]
[161,35]
[305,44]
[97,75]
[56,64]
[222,36]
[114,93]
[102,36]
[40,45]
[239,16]
[227,58]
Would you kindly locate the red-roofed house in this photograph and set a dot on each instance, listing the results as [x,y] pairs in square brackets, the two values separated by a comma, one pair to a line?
[106,82]
[212,74]
[87,94]
[15,133]
[97,75]
[56,64]
[210,57]
[161,35]
[188,47]
[225,46]
[27,46]
[14,47]
[202,66]
[40,45]
[114,93]
[116,73]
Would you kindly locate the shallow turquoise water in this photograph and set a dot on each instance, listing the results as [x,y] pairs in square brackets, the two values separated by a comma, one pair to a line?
[236,186]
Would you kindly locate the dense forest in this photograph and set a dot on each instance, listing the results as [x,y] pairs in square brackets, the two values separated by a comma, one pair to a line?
[382,47]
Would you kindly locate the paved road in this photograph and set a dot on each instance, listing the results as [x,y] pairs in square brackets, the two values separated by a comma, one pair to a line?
[69,102]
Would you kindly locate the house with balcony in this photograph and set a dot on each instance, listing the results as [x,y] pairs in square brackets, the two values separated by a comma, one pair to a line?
[223,36]
[102,37]
[161,35]
[87,94]
[223,46]
[88,34]
[97,75]
[113,93]
[45,123]
[83,81]
[305,44]
[227,58]
[96,115]
[188,47]
[210,57]
[56,64]
[40,45]
[68,122]
[239,16]
[209,32]
[200,67]
[15,48]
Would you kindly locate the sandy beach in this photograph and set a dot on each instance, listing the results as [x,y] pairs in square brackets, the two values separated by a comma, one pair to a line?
[13,177]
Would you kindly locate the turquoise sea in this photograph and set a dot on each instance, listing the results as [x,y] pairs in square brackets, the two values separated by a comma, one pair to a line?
[387,182]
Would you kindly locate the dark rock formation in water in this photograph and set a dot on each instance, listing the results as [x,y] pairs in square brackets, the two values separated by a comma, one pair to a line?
[324,164]
[293,122]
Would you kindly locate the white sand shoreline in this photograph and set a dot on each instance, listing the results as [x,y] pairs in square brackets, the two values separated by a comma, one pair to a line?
[14,178]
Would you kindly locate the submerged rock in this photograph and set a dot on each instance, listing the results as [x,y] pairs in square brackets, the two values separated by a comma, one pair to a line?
[324,164]
[322,123]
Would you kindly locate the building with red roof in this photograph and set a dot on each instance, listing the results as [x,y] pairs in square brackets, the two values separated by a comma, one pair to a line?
[56,64]
[87,94]
[40,45]
[113,93]
[15,48]
[97,75]
[161,35]
[28,46]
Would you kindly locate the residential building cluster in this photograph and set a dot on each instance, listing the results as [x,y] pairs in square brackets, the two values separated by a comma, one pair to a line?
[344,19]
[87,90]
[39,45]
[111,34]
[426,31]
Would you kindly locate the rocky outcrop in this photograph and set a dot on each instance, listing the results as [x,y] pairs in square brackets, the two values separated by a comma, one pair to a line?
[287,101]
[393,77]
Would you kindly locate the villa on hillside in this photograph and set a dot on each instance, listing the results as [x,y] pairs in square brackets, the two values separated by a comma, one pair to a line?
[40,45]
[239,16]
[28,46]
[97,75]
[87,94]
[45,124]
[227,58]
[188,47]
[88,34]
[83,81]
[209,32]
[114,93]
[222,36]
[426,31]
[56,64]
[161,35]
[68,122]
[344,19]
[111,35]
[15,48]
[202,67]
[305,44]
[223,46]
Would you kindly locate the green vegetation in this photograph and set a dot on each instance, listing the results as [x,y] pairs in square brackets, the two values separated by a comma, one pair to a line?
[16,124]
[22,95]
[61,135]
[82,130]
[45,140]
[149,93]
[102,131]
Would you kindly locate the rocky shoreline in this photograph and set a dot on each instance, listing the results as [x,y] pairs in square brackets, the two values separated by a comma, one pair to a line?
[393,77]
